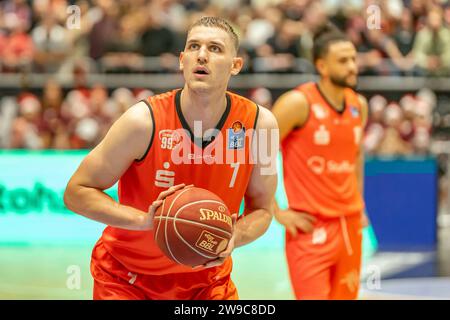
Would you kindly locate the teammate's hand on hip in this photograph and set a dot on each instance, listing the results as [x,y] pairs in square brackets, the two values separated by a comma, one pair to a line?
[296,221]
[227,252]
[148,221]
[364,219]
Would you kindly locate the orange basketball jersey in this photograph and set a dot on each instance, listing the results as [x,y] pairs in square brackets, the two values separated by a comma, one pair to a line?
[221,165]
[319,158]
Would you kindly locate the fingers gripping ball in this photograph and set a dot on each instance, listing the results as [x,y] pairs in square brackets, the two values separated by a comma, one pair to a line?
[192,226]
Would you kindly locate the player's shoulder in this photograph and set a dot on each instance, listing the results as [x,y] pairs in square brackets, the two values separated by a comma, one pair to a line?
[241,101]
[296,97]
[293,99]
[307,86]
[266,119]
[138,118]
[362,100]
[161,97]
[364,107]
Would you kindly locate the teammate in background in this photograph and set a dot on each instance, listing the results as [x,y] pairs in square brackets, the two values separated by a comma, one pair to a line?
[138,152]
[321,126]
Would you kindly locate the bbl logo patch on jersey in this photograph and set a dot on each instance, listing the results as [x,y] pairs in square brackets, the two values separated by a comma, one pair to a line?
[236,136]
[355,112]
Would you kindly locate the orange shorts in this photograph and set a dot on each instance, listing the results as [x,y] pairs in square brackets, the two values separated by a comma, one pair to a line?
[112,281]
[326,263]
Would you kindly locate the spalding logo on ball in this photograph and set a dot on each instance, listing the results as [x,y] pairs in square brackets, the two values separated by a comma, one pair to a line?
[192,226]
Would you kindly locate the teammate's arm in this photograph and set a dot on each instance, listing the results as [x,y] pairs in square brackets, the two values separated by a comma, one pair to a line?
[360,159]
[126,141]
[291,111]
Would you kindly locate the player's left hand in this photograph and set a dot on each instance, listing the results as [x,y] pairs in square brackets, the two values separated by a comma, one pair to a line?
[227,252]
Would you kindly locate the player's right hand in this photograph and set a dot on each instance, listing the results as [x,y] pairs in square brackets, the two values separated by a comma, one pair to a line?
[148,221]
[296,221]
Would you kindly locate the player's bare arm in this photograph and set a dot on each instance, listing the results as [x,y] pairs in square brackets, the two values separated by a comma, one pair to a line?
[291,111]
[126,141]
[259,196]
[360,159]
[261,189]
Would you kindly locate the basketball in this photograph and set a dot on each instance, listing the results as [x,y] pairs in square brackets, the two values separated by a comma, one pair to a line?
[192,226]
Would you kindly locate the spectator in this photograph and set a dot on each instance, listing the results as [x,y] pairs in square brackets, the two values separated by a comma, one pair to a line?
[105,29]
[392,142]
[15,12]
[121,52]
[52,100]
[404,34]
[86,134]
[379,54]
[262,96]
[281,49]
[51,44]
[314,17]
[432,45]
[286,40]
[157,39]
[18,48]
[262,27]
[27,129]
[8,112]
[418,11]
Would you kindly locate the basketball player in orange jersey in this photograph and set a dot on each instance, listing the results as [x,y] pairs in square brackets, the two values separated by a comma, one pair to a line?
[321,126]
[138,152]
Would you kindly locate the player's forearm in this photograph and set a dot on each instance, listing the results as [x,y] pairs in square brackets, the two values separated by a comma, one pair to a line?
[277,212]
[252,226]
[360,172]
[97,205]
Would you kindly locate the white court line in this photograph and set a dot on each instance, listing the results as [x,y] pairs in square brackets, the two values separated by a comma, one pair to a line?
[40,290]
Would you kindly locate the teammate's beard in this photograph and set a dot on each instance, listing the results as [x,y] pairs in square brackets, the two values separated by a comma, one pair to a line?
[342,82]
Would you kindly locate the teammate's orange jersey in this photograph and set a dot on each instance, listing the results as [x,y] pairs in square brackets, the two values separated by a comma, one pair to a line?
[319,158]
[175,157]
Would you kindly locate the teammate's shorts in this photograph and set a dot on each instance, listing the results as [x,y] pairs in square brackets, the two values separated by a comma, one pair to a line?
[326,263]
[112,281]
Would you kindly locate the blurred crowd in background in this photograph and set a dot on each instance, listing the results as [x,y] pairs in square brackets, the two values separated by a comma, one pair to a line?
[276,35]
[76,120]
[400,37]
[407,38]
[81,117]
[400,127]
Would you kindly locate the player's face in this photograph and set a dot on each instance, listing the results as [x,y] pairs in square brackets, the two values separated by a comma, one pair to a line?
[339,65]
[209,59]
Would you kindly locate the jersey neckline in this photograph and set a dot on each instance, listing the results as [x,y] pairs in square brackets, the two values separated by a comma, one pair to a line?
[185,125]
[330,105]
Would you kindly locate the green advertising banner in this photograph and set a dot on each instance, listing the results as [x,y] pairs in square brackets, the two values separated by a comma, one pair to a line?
[32,210]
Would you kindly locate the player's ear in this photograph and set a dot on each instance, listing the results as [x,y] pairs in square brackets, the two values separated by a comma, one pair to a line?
[238,63]
[320,66]
[180,58]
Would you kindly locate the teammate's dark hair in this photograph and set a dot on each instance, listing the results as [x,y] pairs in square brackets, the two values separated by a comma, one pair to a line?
[324,37]
[220,23]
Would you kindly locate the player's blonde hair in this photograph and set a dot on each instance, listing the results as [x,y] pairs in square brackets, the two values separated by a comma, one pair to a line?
[217,22]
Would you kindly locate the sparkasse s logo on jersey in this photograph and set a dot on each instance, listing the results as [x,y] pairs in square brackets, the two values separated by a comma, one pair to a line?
[165,178]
